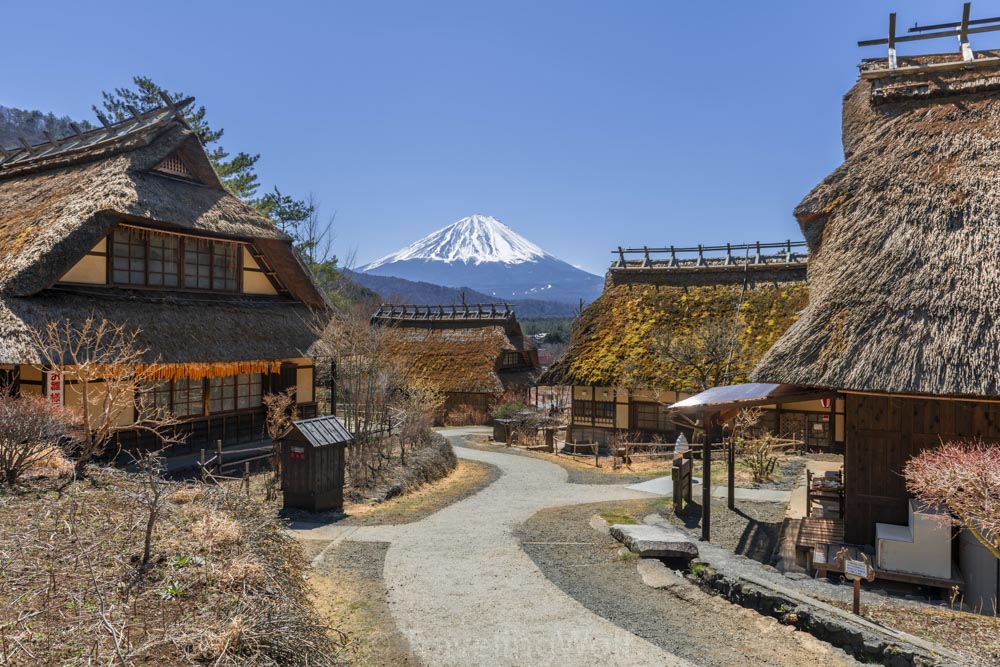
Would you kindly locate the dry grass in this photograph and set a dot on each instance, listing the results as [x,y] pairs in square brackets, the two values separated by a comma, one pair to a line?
[224,585]
[975,635]
[184,495]
[467,478]
[51,464]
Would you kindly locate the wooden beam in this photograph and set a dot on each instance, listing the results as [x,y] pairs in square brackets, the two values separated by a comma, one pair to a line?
[963,35]
[166,100]
[939,26]
[706,479]
[892,41]
[932,68]
[954,32]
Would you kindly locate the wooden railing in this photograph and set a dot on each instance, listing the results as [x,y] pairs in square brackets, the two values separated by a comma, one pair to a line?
[713,257]
[477,311]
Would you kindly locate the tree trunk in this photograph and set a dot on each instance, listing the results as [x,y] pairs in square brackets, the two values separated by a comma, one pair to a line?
[150,524]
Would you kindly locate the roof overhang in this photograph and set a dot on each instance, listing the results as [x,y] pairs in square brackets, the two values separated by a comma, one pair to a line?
[749,395]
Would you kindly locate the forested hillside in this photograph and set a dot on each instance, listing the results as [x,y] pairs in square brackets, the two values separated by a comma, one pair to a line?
[400,290]
[32,125]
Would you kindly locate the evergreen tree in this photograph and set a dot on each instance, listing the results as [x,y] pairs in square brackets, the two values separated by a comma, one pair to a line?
[286,213]
[237,172]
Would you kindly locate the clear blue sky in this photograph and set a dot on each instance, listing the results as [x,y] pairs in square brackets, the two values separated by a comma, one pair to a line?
[583,125]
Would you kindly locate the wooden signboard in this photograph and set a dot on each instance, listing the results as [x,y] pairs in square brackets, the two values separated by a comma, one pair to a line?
[855,570]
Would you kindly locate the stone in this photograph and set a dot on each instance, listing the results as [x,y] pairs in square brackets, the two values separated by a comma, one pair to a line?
[657,575]
[656,541]
[796,576]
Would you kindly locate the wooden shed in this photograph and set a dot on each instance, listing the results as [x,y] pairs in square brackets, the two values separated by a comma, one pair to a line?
[312,464]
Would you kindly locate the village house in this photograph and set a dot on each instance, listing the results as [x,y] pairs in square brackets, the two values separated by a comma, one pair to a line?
[902,320]
[130,223]
[471,353]
[727,304]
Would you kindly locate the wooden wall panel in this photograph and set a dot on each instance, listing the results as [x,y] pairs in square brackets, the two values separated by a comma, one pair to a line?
[883,433]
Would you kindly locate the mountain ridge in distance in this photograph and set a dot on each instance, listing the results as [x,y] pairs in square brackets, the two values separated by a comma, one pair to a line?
[484,254]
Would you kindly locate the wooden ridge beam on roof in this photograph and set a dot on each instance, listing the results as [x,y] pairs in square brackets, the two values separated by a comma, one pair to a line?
[933,68]
[92,138]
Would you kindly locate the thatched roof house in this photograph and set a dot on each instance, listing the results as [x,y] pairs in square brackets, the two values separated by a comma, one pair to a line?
[903,239]
[471,353]
[131,223]
[903,310]
[616,360]
[756,291]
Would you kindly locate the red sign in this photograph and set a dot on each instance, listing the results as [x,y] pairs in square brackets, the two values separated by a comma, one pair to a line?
[55,388]
[826,402]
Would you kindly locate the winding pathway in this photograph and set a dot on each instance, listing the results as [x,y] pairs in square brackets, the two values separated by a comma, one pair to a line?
[463,592]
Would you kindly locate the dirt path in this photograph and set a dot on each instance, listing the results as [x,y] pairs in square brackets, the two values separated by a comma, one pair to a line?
[585,563]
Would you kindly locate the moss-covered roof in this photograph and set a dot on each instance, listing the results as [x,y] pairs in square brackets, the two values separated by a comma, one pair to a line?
[615,340]
[451,359]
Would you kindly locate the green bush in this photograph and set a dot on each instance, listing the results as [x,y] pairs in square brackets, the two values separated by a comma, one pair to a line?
[507,410]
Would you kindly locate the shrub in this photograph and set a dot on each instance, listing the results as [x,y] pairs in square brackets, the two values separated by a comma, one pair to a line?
[464,415]
[30,428]
[758,455]
[507,410]
[964,478]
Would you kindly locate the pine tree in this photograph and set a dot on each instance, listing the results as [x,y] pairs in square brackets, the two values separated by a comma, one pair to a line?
[237,172]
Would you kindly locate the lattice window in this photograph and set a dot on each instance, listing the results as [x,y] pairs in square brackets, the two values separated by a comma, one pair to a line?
[174,166]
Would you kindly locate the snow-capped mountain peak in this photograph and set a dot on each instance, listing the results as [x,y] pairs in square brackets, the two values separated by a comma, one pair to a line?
[476,239]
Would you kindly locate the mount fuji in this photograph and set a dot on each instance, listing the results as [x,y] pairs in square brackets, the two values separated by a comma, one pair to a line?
[486,255]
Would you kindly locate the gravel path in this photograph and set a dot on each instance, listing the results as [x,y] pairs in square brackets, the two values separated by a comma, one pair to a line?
[463,592]
[585,563]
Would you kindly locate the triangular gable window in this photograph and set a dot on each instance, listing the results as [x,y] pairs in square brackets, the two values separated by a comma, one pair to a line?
[173,165]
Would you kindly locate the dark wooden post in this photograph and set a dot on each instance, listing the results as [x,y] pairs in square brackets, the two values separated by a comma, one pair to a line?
[732,471]
[833,424]
[218,456]
[333,386]
[706,479]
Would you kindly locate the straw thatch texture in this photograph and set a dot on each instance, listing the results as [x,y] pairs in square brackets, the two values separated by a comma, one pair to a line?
[55,210]
[615,339]
[904,239]
[450,359]
[176,331]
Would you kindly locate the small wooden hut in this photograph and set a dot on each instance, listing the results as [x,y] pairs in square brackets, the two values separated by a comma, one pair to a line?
[622,382]
[903,317]
[313,458]
[472,353]
[131,223]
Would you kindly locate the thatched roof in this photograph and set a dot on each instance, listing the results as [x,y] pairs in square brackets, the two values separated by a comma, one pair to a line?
[58,201]
[904,239]
[616,340]
[195,330]
[454,353]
